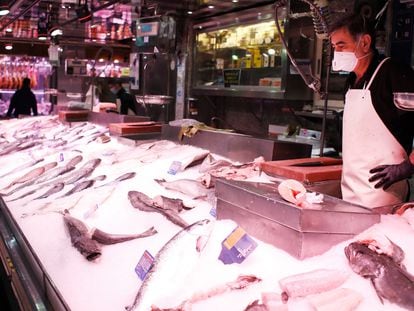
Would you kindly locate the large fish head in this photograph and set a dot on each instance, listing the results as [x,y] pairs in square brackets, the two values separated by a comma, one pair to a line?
[89,248]
[363,260]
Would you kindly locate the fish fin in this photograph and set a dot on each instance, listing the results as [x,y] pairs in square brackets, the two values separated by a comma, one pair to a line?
[376,291]
[398,254]
[160,181]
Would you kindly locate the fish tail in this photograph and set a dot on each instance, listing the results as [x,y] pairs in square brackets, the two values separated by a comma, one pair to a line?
[149,232]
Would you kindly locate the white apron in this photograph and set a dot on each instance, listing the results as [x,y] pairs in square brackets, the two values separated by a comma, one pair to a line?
[366,144]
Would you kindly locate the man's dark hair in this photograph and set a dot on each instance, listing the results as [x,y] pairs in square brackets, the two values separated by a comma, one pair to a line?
[357,25]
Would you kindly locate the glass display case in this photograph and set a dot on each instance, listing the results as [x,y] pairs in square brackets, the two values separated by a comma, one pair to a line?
[13,69]
[241,54]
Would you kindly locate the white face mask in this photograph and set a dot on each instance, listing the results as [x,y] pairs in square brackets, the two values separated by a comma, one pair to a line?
[344,61]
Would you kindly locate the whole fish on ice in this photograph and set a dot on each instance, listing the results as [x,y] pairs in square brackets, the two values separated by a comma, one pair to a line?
[175,260]
[389,279]
[84,171]
[87,241]
[192,188]
[123,177]
[83,185]
[22,167]
[78,233]
[29,176]
[144,203]
[59,171]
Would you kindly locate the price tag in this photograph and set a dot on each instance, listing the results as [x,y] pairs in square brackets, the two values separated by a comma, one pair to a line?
[213,212]
[144,265]
[237,247]
[174,167]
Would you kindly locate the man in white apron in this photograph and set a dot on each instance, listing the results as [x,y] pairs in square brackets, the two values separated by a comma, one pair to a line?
[377,136]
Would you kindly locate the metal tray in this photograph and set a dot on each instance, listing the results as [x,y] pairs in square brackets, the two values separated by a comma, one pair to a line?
[239,147]
[260,210]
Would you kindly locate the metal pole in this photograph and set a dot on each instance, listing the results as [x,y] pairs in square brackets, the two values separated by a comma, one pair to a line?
[325,104]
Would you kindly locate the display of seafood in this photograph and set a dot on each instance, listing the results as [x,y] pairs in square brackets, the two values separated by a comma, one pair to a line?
[63,181]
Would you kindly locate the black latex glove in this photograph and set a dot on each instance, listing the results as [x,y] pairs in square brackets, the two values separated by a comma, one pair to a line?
[389,174]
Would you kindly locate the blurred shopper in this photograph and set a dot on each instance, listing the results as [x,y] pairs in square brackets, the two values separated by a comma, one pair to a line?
[377,136]
[23,101]
[127,101]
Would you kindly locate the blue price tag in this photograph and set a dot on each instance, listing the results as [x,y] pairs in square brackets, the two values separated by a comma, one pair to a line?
[213,212]
[236,247]
[144,265]
[175,167]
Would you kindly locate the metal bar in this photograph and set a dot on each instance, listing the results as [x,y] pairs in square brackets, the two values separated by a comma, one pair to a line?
[20,14]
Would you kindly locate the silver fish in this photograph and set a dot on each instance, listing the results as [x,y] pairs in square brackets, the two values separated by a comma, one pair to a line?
[10,148]
[108,238]
[78,232]
[22,167]
[79,187]
[23,195]
[185,244]
[84,185]
[76,175]
[144,203]
[119,179]
[192,188]
[55,189]
[36,172]
[389,279]
[58,171]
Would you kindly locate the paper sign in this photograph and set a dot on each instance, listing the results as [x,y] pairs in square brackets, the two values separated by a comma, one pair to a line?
[231,77]
[236,247]
[144,265]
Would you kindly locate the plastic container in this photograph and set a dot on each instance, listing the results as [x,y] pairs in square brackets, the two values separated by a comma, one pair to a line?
[404,101]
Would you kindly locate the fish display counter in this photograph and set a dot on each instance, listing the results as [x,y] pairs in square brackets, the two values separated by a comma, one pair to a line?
[92,221]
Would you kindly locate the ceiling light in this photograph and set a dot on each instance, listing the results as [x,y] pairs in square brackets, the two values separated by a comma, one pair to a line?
[83,13]
[8,29]
[8,46]
[55,31]
[4,8]
[190,12]
[211,6]
[235,1]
